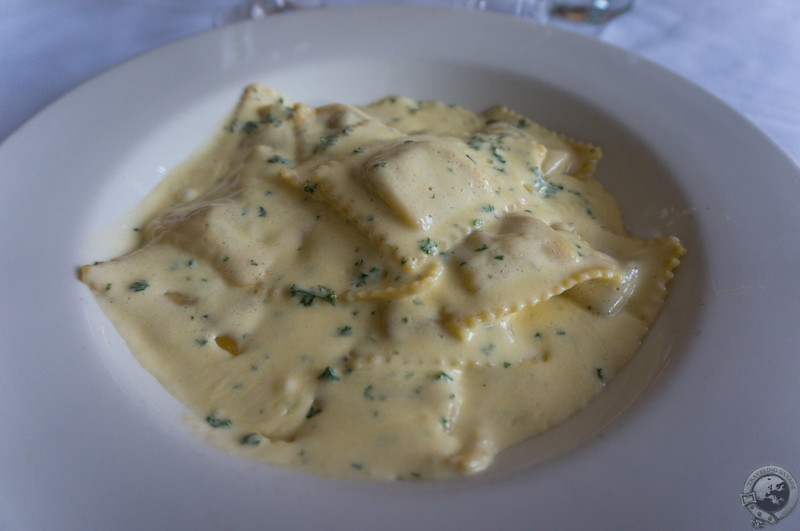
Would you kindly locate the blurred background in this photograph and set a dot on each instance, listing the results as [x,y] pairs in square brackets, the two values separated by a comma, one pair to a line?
[746,53]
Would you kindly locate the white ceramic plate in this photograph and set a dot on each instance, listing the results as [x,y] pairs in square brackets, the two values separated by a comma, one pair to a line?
[89,440]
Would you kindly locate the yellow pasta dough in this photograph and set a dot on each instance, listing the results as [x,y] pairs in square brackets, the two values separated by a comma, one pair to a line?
[397,290]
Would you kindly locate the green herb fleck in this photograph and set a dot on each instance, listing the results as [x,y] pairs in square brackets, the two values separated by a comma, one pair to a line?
[545,188]
[481,248]
[600,374]
[252,439]
[329,374]
[139,285]
[219,422]
[262,212]
[368,392]
[325,142]
[310,188]
[344,331]
[428,246]
[248,127]
[444,376]
[277,159]
[370,277]
[313,411]
[309,295]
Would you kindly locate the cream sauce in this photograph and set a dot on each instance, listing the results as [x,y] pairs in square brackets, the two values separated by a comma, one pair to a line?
[399,290]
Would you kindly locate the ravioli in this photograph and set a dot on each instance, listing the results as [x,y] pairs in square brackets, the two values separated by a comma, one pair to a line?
[369,291]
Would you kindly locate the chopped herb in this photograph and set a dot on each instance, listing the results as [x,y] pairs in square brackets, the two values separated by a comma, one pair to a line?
[249,126]
[310,188]
[262,212]
[444,376]
[477,223]
[309,295]
[108,286]
[277,159]
[545,188]
[329,374]
[487,208]
[252,439]
[368,393]
[428,246]
[218,422]
[325,142]
[500,257]
[600,374]
[497,156]
[481,248]
[357,466]
[379,165]
[344,331]
[506,364]
[313,411]
[370,277]
[139,285]
[201,341]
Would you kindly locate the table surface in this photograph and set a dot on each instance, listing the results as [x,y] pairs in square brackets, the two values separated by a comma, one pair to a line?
[747,54]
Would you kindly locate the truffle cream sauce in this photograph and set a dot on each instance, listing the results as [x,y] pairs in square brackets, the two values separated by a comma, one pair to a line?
[399,290]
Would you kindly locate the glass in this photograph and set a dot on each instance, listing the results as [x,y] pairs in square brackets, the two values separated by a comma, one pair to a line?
[587,11]
[255,9]
[586,14]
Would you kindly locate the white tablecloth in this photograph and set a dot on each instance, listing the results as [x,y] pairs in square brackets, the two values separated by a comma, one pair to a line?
[746,53]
